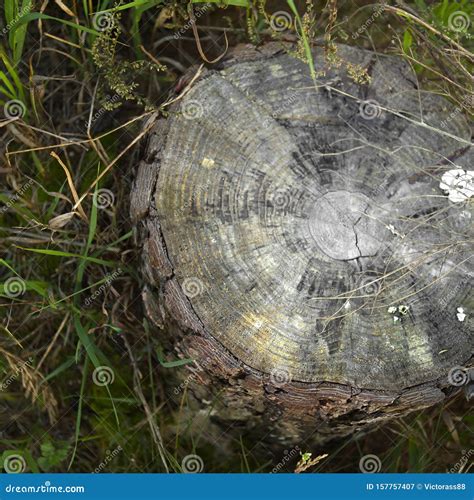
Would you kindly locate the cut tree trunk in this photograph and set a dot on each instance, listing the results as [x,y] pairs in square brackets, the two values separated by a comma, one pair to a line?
[297,245]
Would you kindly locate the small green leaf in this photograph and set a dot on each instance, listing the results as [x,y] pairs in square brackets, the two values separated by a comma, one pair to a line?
[407,41]
[171,364]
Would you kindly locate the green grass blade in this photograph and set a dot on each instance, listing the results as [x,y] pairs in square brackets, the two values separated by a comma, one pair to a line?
[38,15]
[171,364]
[60,253]
[60,369]
[40,287]
[306,43]
[136,3]
[13,75]
[18,36]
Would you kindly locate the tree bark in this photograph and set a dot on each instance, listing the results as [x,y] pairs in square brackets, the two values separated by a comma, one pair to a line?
[296,243]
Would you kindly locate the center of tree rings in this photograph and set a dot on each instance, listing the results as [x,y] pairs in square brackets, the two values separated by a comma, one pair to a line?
[344,225]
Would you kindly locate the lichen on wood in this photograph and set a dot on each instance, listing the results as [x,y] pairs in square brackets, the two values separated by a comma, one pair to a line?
[281,220]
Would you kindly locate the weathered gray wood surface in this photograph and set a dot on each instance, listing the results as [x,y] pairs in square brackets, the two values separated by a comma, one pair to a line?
[280,222]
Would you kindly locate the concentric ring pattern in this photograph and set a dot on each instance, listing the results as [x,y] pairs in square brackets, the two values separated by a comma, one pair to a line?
[309,224]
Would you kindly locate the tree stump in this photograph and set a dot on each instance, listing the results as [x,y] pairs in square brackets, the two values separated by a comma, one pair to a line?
[297,244]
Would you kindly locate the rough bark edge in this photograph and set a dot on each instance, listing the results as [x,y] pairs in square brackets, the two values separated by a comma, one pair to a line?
[331,409]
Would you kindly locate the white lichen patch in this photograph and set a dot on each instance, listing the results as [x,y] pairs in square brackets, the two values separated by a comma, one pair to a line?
[458,184]
[460,314]
[401,310]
